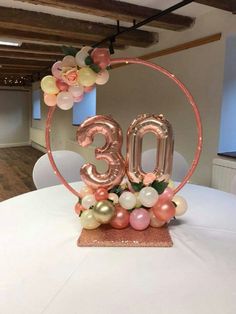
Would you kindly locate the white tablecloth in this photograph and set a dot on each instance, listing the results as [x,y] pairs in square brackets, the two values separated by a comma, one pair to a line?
[43,271]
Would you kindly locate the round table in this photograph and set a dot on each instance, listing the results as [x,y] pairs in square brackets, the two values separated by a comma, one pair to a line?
[43,271]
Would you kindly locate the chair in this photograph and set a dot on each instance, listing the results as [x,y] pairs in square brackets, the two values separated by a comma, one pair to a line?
[180,165]
[233,185]
[68,163]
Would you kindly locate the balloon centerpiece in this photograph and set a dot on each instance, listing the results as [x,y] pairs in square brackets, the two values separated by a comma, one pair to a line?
[124,198]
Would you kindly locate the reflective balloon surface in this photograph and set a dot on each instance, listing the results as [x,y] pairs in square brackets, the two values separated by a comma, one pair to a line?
[143,124]
[110,152]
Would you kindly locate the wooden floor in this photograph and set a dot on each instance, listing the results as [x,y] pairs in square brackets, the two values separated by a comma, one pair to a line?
[16,166]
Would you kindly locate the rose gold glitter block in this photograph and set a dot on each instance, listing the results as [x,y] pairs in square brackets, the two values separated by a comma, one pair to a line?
[105,236]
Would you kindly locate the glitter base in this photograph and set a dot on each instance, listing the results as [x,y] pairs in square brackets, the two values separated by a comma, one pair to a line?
[106,236]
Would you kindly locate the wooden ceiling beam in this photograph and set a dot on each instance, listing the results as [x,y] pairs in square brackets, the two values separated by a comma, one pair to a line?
[28,56]
[50,28]
[34,48]
[13,66]
[118,10]
[226,5]
[16,71]
[25,63]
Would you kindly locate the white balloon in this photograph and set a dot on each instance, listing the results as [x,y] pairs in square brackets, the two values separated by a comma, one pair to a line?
[65,100]
[127,200]
[88,201]
[182,205]
[113,197]
[148,196]
[81,56]
[102,77]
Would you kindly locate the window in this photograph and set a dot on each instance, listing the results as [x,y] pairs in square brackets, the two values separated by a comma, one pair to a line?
[84,109]
[36,110]
[227,141]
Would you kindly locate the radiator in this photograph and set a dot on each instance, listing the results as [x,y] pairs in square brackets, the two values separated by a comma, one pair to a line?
[223,171]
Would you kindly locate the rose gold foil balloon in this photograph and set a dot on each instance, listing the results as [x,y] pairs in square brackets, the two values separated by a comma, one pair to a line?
[110,152]
[120,219]
[142,125]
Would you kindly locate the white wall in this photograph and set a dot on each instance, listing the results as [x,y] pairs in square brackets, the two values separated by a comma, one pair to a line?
[14,117]
[134,89]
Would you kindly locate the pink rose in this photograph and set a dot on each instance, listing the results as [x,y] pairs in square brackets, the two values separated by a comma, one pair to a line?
[70,77]
[149,178]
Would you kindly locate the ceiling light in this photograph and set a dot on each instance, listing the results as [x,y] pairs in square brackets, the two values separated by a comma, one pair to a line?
[10,43]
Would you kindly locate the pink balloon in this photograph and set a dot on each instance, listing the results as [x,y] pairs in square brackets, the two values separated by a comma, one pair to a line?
[101,56]
[79,98]
[120,219]
[167,195]
[57,69]
[65,100]
[62,86]
[110,152]
[88,89]
[50,99]
[139,219]
[76,91]
[164,211]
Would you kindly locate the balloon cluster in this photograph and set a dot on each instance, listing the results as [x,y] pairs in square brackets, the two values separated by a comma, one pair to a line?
[149,203]
[74,76]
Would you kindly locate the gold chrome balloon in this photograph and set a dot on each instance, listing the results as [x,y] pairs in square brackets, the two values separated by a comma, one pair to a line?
[103,211]
[88,220]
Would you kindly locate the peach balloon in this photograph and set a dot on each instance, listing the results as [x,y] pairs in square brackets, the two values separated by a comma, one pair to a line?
[101,194]
[120,219]
[85,190]
[50,100]
[155,223]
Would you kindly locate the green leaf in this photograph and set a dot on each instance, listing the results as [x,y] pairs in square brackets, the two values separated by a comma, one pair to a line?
[88,60]
[137,186]
[96,68]
[117,190]
[69,51]
[160,186]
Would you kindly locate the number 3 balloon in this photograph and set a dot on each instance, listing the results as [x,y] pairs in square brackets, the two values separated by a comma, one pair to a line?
[110,152]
